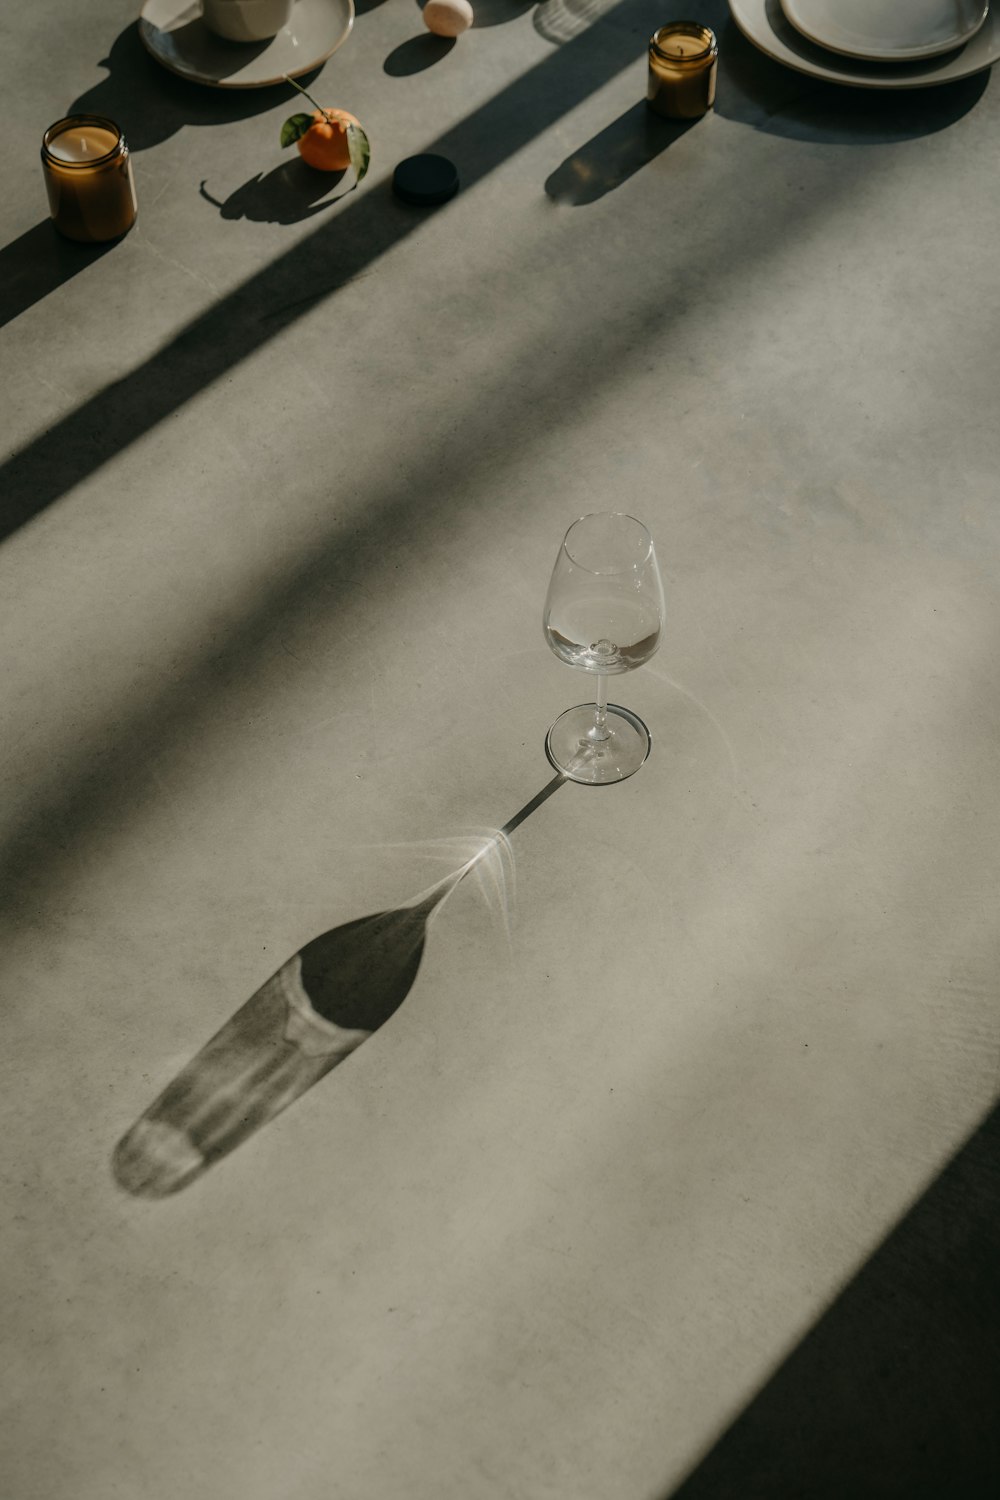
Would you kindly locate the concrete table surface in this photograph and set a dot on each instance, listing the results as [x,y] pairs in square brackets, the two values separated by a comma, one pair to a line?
[670,1175]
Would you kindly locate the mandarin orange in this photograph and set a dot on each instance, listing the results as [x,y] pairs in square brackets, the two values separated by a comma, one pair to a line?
[324,145]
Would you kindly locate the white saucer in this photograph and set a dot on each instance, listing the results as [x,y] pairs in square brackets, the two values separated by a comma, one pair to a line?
[174,33]
[885,30]
[763,23]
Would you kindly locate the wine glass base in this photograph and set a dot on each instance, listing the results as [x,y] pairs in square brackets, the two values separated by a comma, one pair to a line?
[572,749]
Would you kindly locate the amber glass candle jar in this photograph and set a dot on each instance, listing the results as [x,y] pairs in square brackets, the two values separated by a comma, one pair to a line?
[683,59]
[88,177]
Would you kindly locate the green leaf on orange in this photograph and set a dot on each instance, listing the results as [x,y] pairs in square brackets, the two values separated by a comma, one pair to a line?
[360,150]
[295,128]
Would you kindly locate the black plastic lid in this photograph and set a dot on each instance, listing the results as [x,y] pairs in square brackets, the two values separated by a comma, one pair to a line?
[425,179]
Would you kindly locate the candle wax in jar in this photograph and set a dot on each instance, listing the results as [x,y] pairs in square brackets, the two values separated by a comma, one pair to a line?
[82,143]
[682,46]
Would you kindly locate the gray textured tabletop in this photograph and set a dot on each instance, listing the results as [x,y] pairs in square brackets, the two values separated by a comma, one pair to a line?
[674,1172]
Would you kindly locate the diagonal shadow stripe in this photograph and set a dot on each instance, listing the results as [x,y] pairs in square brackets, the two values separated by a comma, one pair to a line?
[895,1391]
[269,302]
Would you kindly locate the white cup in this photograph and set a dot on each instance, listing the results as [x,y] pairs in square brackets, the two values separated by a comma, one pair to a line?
[246,20]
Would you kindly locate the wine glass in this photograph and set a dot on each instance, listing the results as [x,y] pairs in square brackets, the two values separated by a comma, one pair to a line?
[603,614]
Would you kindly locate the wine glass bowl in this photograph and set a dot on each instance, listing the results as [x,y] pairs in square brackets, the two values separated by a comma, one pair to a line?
[603,614]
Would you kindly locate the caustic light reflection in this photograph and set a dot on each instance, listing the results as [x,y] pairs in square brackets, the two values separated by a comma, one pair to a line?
[487,856]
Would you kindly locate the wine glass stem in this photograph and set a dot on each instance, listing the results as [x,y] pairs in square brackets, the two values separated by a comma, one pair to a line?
[600,730]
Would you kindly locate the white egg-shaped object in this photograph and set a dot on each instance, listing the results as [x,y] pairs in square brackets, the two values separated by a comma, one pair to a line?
[447,17]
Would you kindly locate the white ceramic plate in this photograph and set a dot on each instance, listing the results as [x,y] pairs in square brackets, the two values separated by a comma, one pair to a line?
[763,23]
[175,34]
[887,30]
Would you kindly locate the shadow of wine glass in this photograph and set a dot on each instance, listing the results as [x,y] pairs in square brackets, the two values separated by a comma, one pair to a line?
[416,54]
[285,195]
[316,1010]
[612,157]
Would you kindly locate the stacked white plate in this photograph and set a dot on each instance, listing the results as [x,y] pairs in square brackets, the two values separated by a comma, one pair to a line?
[877,44]
[174,33]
